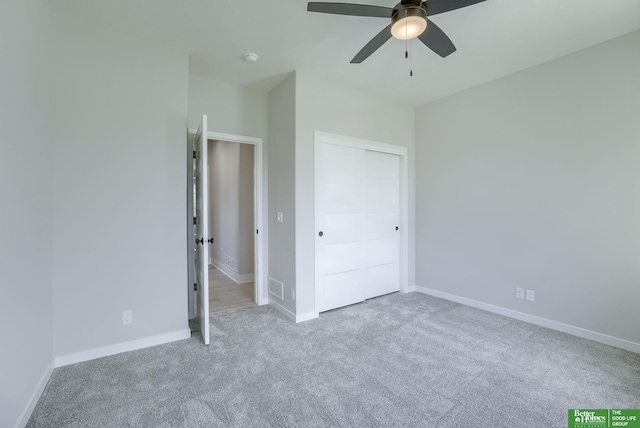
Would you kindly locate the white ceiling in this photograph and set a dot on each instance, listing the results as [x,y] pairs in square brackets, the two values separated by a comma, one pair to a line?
[494,38]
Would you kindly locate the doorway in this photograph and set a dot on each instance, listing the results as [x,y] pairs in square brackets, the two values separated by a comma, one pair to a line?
[253,210]
[231,168]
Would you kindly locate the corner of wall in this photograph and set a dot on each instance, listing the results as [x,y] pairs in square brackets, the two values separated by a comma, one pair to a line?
[35,396]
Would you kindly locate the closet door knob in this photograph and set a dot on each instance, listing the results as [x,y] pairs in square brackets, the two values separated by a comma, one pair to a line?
[320,234]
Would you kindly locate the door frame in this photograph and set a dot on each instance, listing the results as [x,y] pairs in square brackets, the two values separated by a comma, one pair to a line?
[401,151]
[260,295]
[191,246]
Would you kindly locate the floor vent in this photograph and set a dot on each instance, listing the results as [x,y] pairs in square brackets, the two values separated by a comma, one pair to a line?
[276,288]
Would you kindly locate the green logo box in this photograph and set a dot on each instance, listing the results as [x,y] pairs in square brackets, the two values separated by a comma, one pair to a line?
[604,418]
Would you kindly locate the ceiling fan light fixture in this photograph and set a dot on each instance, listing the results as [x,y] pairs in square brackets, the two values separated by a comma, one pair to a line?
[408,23]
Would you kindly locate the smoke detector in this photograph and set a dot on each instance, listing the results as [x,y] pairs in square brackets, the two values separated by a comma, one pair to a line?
[250,57]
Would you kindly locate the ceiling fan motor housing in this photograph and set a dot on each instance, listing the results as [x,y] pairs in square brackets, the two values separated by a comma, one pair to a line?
[408,11]
[411,7]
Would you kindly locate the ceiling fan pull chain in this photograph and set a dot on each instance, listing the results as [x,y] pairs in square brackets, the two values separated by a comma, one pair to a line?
[411,59]
[406,41]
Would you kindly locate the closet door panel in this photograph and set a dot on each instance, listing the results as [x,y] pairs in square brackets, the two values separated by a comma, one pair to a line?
[382,210]
[340,225]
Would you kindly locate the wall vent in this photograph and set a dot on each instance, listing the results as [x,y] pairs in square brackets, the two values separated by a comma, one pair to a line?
[230,262]
[276,288]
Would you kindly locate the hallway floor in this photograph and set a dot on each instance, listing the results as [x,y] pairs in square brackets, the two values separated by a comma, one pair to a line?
[225,294]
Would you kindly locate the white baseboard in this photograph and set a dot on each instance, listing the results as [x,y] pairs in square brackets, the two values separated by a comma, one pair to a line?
[290,315]
[306,317]
[284,311]
[105,351]
[408,289]
[35,396]
[532,319]
[231,274]
[244,278]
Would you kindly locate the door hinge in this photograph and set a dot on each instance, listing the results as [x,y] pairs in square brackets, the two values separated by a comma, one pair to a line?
[194,154]
[195,286]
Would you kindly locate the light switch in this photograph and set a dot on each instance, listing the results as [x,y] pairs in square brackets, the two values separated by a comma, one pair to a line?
[280,217]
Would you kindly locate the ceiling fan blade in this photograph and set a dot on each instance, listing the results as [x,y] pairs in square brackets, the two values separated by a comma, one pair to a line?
[435,7]
[435,39]
[350,9]
[373,45]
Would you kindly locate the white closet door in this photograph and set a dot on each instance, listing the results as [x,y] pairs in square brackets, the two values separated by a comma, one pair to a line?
[357,211]
[382,210]
[339,225]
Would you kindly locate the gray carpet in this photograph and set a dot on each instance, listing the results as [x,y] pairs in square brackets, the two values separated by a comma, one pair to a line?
[399,360]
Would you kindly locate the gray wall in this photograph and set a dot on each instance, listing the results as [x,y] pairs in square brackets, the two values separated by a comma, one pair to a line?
[119,189]
[230,108]
[231,203]
[282,250]
[25,216]
[332,107]
[533,181]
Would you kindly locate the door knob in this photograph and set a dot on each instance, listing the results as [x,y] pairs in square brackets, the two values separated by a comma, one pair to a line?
[320,234]
[202,240]
[396,227]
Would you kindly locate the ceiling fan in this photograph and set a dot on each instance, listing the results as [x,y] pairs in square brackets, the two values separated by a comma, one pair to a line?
[408,20]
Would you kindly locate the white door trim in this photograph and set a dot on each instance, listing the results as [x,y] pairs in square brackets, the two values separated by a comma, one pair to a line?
[402,152]
[191,246]
[260,294]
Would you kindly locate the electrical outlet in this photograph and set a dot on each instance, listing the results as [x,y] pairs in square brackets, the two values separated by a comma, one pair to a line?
[519,293]
[531,295]
[127,317]
[293,294]
[280,217]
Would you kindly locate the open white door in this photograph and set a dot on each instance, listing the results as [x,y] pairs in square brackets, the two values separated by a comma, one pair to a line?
[202,229]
